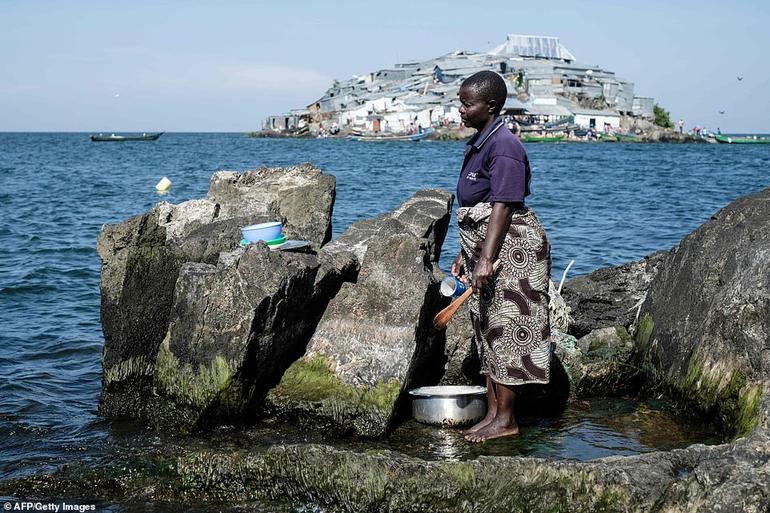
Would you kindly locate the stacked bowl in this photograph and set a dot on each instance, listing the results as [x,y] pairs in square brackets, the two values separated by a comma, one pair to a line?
[270,233]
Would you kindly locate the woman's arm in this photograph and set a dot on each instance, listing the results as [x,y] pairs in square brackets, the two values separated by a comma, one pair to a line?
[499,222]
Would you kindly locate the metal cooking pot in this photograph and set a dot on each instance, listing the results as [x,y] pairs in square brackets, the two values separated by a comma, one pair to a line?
[449,405]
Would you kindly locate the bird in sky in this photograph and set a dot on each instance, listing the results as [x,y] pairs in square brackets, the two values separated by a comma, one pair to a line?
[739,78]
[116,95]
[721,112]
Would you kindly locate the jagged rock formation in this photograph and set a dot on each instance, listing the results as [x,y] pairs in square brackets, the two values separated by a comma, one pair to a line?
[376,339]
[185,310]
[610,296]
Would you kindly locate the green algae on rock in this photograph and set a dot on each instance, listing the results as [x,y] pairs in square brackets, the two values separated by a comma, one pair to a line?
[194,387]
[313,380]
[310,386]
[704,328]
[706,479]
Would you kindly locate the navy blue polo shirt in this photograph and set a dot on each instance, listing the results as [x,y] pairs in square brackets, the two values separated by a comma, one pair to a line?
[495,168]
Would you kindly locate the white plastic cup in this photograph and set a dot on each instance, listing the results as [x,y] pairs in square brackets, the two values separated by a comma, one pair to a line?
[163,185]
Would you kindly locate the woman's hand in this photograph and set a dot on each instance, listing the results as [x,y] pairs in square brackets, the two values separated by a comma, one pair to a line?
[481,274]
[458,268]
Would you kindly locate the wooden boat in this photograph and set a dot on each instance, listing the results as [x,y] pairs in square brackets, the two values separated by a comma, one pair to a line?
[121,138]
[412,137]
[751,139]
[625,137]
[607,137]
[541,138]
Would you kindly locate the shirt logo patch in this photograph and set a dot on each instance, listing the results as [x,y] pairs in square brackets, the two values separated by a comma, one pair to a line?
[472,176]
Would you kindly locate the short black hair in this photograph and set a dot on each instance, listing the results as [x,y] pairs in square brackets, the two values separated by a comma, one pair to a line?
[489,85]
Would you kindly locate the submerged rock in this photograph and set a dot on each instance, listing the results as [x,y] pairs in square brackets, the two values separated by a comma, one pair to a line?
[184,309]
[705,324]
[376,338]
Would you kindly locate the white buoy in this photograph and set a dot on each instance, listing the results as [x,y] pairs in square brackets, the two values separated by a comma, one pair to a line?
[163,185]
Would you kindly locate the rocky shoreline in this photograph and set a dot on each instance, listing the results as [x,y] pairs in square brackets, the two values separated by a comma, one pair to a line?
[200,332]
[649,135]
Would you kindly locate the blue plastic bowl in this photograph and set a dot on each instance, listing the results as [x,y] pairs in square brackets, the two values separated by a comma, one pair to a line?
[262,231]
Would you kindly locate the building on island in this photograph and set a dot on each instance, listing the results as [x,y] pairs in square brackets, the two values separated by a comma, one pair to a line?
[547,85]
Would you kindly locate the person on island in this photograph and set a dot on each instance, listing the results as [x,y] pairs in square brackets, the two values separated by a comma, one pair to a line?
[509,308]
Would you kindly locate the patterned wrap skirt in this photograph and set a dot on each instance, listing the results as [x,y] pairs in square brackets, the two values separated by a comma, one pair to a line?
[510,317]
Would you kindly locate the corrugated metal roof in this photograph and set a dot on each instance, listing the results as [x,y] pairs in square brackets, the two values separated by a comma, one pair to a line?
[579,66]
[593,112]
[548,110]
[447,88]
[421,100]
[382,94]
[514,104]
[466,71]
[548,47]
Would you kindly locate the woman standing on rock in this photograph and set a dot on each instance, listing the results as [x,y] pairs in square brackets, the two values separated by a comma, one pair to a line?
[509,308]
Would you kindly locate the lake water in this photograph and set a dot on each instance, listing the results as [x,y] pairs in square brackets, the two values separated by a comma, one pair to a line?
[602,204]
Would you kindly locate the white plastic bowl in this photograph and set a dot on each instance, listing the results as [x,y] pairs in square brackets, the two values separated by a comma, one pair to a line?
[262,231]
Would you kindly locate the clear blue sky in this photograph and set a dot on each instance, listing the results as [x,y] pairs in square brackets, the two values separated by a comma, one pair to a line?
[223,66]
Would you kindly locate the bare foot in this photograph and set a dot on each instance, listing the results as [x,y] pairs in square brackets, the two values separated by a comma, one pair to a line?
[495,429]
[483,423]
[477,436]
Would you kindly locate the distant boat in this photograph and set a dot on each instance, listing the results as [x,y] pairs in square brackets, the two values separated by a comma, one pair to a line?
[607,137]
[750,139]
[121,138]
[541,138]
[627,137]
[413,137]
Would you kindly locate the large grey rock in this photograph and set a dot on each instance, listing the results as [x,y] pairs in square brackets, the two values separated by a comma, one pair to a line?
[705,325]
[610,296]
[302,196]
[143,256]
[234,328]
[424,215]
[376,338]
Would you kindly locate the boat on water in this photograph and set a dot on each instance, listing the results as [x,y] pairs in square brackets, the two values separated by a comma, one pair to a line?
[121,138]
[541,138]
[747,139]
[627,137]
[411,137]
